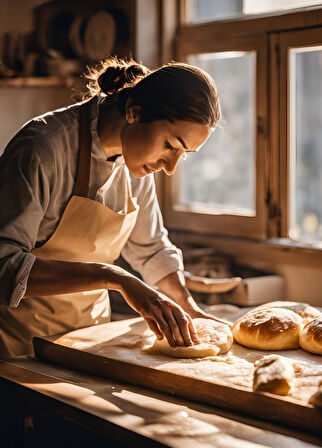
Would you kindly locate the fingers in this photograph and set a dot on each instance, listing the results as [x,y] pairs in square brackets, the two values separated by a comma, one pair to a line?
[193,331]
[181,326]
[166,318]
[174,324]
[154,327]
[167,330]
[186,327]
[178,325]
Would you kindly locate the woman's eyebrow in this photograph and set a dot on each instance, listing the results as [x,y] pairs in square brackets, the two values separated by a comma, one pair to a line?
[184,145]
[182,142]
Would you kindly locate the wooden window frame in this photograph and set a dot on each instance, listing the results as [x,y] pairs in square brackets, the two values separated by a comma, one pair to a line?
[269,32]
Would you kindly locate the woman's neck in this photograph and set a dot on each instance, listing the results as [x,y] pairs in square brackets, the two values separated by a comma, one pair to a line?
[109,128]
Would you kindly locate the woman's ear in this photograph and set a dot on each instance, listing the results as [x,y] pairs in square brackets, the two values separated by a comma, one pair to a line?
[133,114]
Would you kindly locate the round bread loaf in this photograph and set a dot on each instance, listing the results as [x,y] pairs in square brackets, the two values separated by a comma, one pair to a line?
[268,329]
[307,312]
[311,337]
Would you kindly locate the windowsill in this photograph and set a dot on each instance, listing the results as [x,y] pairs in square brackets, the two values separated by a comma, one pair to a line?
[286,242]
[272,242]
[276,250]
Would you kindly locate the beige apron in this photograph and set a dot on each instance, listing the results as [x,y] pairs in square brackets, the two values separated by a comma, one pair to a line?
[89,232]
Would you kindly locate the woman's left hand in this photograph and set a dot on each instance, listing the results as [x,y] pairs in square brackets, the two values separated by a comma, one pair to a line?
[190,306]
[173,285]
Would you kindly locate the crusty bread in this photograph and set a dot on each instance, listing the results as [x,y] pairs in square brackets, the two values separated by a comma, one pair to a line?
[307,312]
[216,338]
[311,336]
[268,329]
[273,373]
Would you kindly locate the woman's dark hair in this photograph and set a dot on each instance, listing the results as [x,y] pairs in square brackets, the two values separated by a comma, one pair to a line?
[175,91]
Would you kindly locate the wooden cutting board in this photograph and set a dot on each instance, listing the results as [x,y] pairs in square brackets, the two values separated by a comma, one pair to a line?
[114,350]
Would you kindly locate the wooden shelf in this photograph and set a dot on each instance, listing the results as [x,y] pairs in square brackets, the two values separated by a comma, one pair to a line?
[38,81]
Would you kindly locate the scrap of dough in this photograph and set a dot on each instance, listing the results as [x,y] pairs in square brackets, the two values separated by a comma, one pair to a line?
[316,398]
[273,373]
[268,329]
[216,339]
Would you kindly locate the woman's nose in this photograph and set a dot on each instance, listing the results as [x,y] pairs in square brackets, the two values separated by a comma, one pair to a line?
[170,166]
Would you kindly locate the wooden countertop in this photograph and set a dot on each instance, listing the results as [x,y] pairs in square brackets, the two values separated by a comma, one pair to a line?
[135,416]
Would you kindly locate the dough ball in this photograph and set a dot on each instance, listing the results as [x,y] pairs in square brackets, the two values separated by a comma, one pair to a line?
[216,339]
[268,329]
[307,312]
[273,373]
[311,337]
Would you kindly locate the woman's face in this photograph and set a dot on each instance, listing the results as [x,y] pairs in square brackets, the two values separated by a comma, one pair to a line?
[150,147]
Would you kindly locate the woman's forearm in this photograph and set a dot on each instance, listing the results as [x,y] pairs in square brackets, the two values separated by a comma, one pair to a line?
[164,317]
[173,285]
[48,277]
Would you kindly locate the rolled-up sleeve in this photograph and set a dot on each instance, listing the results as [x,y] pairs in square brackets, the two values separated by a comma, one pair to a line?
[149,250]
[23,197]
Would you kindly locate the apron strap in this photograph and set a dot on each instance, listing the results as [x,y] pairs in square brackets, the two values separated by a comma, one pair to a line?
[85,146]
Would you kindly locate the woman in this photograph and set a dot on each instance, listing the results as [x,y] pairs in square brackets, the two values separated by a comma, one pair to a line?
[76,191]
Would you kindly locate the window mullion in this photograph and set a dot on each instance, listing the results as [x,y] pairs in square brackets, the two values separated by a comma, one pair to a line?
[274,169]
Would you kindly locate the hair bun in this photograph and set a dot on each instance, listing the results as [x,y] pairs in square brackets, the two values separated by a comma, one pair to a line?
[119,74]
[135,71]
[109,80]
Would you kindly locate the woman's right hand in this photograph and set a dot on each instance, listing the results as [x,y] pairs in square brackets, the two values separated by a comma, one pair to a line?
[163,315]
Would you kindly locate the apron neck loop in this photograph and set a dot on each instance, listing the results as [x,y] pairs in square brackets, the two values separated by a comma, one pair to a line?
[85,146]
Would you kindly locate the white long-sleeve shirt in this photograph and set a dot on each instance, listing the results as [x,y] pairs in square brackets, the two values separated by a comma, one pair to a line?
[37,176]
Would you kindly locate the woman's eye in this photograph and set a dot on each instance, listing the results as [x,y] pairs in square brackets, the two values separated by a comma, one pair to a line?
[167,145]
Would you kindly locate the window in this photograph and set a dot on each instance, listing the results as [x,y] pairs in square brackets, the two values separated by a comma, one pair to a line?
[205,10]
[262,167]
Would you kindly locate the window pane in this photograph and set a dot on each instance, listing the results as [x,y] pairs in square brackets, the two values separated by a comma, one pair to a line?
[306,144]
[206,10]
[221,177]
